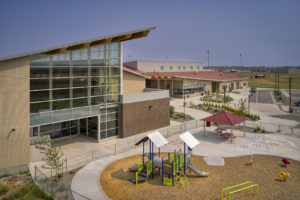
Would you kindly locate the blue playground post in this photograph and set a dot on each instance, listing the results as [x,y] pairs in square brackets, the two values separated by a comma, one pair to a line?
[159,152]
[143,151]
[168,155]
[162,170]
[152,163]
[173,173]
[150,149]
[184,159]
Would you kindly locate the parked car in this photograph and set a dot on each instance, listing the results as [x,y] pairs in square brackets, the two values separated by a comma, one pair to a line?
[253,90]
[297,103]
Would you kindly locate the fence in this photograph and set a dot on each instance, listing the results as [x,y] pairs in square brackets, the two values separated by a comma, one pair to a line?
[275,128]
[125,144]
[52,188]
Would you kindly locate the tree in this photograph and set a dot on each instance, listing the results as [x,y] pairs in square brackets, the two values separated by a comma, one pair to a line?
[52,155]
[241,106]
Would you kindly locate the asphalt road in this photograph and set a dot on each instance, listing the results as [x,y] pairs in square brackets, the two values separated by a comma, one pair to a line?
[264,96]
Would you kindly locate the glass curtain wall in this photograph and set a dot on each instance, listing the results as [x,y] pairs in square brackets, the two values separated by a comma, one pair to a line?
[76,84]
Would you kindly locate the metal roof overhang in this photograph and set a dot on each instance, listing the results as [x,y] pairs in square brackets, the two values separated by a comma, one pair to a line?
[121,37]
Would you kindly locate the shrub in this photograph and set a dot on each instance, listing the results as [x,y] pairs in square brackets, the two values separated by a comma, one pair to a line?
[5,174]
[3,190]
[263,130]
[172,110]
[71,172]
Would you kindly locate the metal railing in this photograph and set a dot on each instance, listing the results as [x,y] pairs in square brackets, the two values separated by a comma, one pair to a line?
[53,188]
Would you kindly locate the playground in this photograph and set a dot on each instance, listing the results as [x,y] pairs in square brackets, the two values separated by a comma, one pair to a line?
[264,172]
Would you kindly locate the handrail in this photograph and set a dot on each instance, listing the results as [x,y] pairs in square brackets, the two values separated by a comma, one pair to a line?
[250,186]
[234,187]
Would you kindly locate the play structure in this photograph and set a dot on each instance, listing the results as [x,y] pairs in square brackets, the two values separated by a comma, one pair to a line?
[284,175]
[248,184]
[171,168]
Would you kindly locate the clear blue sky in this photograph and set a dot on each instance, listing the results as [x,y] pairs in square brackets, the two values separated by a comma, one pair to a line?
[266,32]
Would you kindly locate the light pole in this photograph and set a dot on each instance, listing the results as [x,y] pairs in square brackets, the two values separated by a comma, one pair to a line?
[224,88]
[240,59]
[207,58]
[290,91]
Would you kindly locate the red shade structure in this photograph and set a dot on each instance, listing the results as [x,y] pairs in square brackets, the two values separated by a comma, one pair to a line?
[225,118]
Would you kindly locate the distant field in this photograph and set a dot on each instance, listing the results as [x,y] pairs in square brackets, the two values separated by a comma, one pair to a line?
[269,80]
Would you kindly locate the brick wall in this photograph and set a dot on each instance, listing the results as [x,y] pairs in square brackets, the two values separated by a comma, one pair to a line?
[143,116]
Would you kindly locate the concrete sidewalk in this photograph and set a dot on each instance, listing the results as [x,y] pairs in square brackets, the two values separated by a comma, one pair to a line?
[86,181]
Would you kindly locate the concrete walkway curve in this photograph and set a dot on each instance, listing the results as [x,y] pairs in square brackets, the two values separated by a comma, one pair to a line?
[86,181]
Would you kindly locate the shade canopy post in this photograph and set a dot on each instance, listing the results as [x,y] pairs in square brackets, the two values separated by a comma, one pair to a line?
[204,129]
[244,129]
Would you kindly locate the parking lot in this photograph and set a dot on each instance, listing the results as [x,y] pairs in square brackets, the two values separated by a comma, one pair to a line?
[262,96]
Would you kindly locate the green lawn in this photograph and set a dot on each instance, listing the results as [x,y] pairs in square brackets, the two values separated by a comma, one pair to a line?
[269,80]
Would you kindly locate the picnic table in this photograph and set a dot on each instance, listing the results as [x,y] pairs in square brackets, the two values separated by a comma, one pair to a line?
[227,135]
[220,130]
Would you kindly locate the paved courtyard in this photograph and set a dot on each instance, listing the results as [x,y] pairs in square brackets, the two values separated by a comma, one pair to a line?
[86,181]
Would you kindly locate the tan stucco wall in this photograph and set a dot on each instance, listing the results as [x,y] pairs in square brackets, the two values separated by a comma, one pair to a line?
[14,112]
[228,83]
[132,83]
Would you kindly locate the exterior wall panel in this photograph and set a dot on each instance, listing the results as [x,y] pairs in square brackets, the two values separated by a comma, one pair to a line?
[133,84]
[143,116]
[14,112]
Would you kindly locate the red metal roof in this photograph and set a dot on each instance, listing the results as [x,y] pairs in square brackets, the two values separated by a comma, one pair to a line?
[204,75]
[225,118]
[132,69]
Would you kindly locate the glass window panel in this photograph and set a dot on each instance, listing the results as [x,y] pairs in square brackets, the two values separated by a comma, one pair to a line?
[80,92]
[81,112]
[74,123]
[97,81]
[103,118]
[39,84]
[81,54]
[80,71]
[61,115]
[61,71]
[61,94]
[102,109]
[111,116]
[112,132]
[39,72]
[39,96]
[114,71]
[112,108]
[102,134]
[114,54]
[112,124]
[39,60]
[73,131]
[95,110]
[56,134]
[34,119]
[46,128]
[98,71]
[103,126]
[61,83]
[66,132]
[114,80]
[98,100]
[59,105]
[80,102]
[114,62]
[80,82]
[95,91]
[97,53]
[114,89]
[114,46]
[39,107]
[112,98]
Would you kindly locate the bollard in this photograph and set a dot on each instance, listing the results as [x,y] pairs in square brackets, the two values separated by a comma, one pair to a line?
[66,164]
[35,172]
[115,149]
[167,132]
[92,155]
